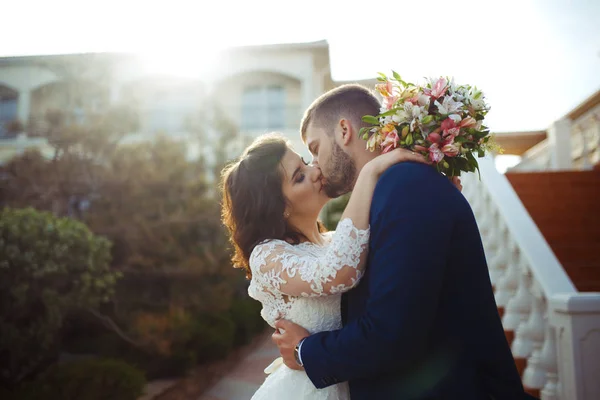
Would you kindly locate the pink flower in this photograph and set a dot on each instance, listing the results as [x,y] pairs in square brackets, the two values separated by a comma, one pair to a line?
[434,138]
[438,150]
[435,153]
[449,127]
[438,88]
[418,147]
[391,138]
[449,148]
[388,102]
[387,92]
[468,122]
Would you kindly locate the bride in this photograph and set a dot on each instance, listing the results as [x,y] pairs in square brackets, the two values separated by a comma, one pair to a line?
[271,202]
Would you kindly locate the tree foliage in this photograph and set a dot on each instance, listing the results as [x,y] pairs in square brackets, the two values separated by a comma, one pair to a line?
[48,267]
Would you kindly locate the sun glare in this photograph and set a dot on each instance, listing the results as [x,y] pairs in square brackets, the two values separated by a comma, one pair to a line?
[506,161]
[188,63]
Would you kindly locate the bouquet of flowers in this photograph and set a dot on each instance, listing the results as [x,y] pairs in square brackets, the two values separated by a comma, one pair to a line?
[441,120]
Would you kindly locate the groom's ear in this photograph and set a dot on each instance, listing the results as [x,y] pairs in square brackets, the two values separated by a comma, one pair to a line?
[346,131]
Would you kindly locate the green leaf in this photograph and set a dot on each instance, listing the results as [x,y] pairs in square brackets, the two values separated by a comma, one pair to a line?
[389,112]
[369,119]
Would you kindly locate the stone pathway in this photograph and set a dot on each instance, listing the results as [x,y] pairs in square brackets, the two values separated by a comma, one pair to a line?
[247,376]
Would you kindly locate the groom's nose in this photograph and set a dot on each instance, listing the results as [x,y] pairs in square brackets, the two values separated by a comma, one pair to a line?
[315,173]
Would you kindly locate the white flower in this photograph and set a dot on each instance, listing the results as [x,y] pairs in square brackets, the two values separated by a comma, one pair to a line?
[448,106]
[386,120]
[399,117]
[417,114]
[478,104]
[455,117]
[424,100]
[404,114]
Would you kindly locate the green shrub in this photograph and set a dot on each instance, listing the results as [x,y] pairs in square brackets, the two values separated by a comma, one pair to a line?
[211,337]
[48,267]
[87,380]
[245,313]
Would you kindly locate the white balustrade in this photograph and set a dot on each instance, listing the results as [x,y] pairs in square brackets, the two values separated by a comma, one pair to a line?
[554,335]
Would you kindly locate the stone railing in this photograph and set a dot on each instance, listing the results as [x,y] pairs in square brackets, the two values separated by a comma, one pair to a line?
[556,329]
[585,140]
[573,142]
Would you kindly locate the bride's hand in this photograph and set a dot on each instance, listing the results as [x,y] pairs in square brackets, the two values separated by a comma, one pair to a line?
[456,181]
[382,162]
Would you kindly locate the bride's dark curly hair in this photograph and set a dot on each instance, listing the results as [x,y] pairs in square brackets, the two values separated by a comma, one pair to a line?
[253,202]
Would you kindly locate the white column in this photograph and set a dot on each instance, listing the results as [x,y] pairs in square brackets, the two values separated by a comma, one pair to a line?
[559,139]
[308,92]
[23,106]
[576,318]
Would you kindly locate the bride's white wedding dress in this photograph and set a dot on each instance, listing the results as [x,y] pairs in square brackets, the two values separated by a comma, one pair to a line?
[301,283]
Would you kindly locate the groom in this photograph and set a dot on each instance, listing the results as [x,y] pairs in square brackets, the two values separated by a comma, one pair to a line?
[423,323]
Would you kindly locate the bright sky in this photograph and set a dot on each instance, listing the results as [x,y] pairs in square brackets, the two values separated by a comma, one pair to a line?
[534,59]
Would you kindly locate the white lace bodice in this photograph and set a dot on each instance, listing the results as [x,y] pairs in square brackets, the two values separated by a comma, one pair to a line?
[303,283]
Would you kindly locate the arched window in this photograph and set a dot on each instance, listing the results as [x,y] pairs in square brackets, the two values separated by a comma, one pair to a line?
[263,108]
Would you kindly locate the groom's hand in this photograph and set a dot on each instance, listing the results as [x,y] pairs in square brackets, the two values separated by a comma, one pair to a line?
[286,337]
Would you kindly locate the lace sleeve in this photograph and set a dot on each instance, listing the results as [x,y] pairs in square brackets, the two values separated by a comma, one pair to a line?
[285,268]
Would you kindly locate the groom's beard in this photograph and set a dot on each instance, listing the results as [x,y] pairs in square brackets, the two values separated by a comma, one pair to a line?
[341,173]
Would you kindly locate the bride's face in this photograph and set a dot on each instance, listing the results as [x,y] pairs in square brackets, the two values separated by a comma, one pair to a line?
[302,186]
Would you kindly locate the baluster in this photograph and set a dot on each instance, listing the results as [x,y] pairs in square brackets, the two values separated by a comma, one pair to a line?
[534,376]
[483,216]
[490,239]
[518,306]
[522,346]
[549,361]
[472,193]
[596,154]
[471,189]
[507,283]
[584,147]
[497,265]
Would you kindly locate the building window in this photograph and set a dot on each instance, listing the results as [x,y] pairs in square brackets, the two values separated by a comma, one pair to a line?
[166,111]
[263,108]
[8,111]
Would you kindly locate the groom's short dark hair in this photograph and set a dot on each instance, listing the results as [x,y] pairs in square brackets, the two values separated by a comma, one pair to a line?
[352,101]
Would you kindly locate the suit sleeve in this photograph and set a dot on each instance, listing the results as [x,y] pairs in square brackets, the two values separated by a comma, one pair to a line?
[410,234]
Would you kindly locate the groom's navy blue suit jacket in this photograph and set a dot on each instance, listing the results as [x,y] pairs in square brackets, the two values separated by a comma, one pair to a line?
[422,323]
